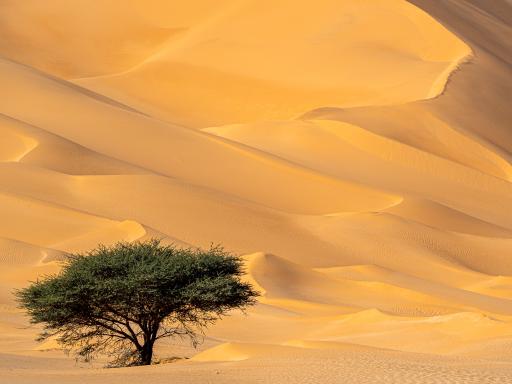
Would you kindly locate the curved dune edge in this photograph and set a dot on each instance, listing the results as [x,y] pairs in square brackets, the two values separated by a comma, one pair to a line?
[439,85]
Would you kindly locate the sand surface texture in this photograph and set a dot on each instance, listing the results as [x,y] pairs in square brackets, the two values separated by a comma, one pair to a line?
[357,153]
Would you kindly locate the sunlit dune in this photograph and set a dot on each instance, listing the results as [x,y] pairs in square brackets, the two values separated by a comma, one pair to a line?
[356,154]
[233,70]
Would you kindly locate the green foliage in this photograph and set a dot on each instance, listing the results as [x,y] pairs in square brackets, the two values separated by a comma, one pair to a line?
[120,300]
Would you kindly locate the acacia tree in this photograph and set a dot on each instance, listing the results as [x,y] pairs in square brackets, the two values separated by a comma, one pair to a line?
[120,300]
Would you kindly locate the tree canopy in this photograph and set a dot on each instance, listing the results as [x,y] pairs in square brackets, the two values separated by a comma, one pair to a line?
[120,300]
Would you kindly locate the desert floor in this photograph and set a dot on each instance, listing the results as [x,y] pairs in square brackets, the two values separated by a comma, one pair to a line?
[356,153]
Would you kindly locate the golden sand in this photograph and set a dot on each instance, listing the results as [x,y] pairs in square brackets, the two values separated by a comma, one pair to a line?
[356,153]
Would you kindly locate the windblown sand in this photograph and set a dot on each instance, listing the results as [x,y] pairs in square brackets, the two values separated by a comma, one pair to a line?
[357,153]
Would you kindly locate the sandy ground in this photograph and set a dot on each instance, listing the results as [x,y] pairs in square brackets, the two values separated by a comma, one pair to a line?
[356,153]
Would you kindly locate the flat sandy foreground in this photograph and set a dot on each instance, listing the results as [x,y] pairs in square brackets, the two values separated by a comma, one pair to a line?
[356,153]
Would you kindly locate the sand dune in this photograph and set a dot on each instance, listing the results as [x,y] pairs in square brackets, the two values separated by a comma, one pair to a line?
[290,70]
[84,119]
[431,134]
[39,147]
[351,152]
[53,226]
[356,153]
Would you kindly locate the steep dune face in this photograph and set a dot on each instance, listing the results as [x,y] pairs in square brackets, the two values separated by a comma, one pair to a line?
[358,154]
[486,26]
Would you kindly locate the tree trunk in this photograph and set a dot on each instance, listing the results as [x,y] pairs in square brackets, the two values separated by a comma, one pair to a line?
[146,353]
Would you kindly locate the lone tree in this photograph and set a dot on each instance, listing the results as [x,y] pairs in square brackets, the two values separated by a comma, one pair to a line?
[120,300]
